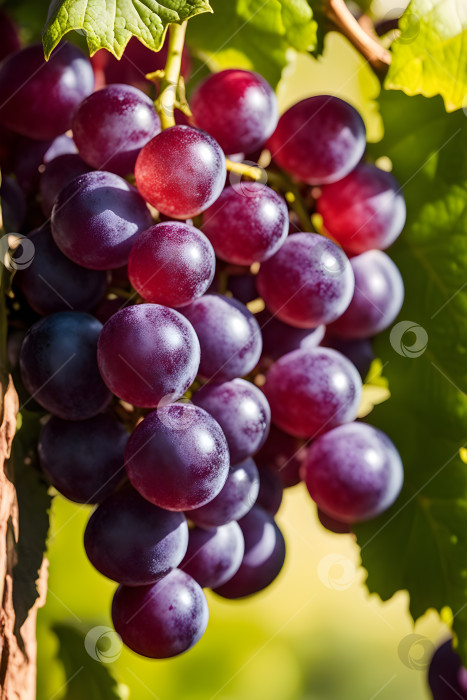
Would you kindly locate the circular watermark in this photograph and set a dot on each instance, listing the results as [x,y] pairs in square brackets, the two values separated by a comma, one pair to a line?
[415,651]
[103,644]
[336,572]
[176,415]
[408,339]
[247,187]
[16,251]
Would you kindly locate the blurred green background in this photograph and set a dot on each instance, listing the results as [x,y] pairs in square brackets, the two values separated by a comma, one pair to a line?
[315,634]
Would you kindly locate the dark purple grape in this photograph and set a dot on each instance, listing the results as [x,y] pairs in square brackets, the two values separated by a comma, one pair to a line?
[177,457]
[279,338]
[214,556]
[229,337]
[112,125]
[364,210]
[446,675]
[172,264]
[246,224]
[163,619]
[284,454]
[270,490]
[236,498]
[181,172]
[134,542]
[242,286]
[237,107]
[39,97]
[53,283]
[333,525]
[319,140]
[83,460]
[97,218]
[31,156]
[58,174]
[309,282]
[263,559]
[108,307]
[353,472]
[148,354]
[377,299]
[58,364]
[241,410]
[13,205]
[359,352]
[312,391]
[9,36]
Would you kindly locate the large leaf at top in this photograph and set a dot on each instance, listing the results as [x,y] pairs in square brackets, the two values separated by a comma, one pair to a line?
[253,34]
[430,56]
[421,543]
[110,24]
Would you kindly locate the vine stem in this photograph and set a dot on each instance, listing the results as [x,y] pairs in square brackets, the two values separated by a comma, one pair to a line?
[250,171]
[377,56]
[284,183]
[165,102]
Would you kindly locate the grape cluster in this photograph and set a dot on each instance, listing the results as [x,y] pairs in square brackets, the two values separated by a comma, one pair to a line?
[194,323]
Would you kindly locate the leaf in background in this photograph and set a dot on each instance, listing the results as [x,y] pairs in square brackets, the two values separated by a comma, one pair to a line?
[253,34]
[86,677]
[420,544]
[430,56]
[110,25]
[33,507]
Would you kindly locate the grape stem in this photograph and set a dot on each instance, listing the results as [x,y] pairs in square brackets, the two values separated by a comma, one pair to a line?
[377,56]
[168,90]
[250,171]
[292,194]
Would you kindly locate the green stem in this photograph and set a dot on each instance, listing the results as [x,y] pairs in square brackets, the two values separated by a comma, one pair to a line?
[168,91]
[243,169]
[293,197]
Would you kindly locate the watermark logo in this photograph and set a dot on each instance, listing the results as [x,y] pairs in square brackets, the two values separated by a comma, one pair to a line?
[415,652]
[408,339]
[16,251]
[103,644]
[336,572]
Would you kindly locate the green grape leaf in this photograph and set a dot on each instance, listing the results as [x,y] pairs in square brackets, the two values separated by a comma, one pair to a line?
[430,56]
[111,24]
[87,669]
[420,544]
[253,34]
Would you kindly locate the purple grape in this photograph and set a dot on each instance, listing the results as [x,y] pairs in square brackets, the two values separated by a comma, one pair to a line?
[229,337]
[237,107]
[236,498]
[172,264]
[359,352]
[111,126]
[279,338]
[13,205]
[214,556]
[377,299]
[242,286]
[319,140]
[39,97]
[241,410]
[83,460]
[333,525]
[163,619]
[31,156]
[247,223]
[177,457]
[312,391]
[58,365]
[148,353]
[133,542]
[353,472]
[270,490]
[316,281]
[181,172]
[108,307]
[284,454]
[53,283]
[9,36]
[97,218]
[58,174]
[446,675]
[364,210]
[263,559]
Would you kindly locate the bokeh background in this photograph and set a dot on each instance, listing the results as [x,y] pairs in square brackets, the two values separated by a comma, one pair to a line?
[315,634]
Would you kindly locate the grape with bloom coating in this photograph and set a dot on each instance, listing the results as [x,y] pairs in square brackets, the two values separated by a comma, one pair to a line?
[181,172]
[148,353]
[353,472]
[214,556]
[171,263]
